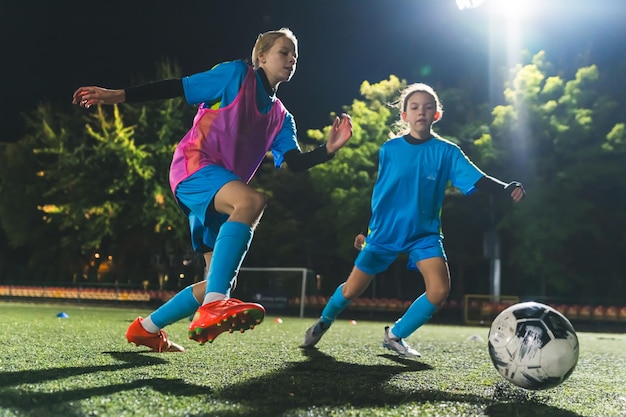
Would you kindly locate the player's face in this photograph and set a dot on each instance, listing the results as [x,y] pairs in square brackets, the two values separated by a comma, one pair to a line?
[279,62]
[420,114]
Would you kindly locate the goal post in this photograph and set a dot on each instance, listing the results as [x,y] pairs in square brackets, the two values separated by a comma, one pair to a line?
[300,274]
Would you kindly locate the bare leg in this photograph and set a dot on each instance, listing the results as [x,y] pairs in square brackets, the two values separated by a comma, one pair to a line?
[354,286]
[437,282]
[245,207]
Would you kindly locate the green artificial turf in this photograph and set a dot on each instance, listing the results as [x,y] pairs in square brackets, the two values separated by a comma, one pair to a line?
[83,366]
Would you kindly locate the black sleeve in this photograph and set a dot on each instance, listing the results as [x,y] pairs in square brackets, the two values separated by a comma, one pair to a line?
[157,90]
[298,161]
[493,186]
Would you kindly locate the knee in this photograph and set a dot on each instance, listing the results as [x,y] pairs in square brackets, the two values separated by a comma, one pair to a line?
[198,289]
[350,292]
[250,208]
[259,201]
[346,292]
[256,202]
[438,295]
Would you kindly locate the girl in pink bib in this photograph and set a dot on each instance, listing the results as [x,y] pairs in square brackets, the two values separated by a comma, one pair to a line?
[239,120]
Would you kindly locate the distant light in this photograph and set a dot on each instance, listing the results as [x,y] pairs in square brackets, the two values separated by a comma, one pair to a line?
[514,10]
[509,9]
[49,208]
[468,4]
[426,70]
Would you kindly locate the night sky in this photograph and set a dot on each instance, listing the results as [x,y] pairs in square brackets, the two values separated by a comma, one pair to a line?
[49,49]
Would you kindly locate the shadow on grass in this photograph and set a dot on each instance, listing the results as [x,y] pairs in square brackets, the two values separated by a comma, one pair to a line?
[513,401]
[323,382]
[318,383]
[528,409]
[132,360]
[60,403]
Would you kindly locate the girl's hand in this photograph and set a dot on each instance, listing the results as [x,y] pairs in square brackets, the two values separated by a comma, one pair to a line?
[88,96]
[359,240]
[340,133]
[517,190]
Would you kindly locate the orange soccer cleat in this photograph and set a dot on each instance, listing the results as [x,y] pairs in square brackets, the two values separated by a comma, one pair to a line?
[158,342]
[229,315]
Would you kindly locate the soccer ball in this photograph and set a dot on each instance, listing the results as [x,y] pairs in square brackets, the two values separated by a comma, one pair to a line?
[533,346]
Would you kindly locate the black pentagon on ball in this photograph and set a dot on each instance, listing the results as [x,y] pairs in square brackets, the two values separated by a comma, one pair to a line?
[530,311]
[557,324]
[560,327]
[534,333]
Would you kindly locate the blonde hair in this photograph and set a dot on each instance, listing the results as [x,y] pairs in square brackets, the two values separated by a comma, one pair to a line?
[401,127]
[266,40]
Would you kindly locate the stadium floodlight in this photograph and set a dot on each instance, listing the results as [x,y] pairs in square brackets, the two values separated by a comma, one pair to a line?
[510,9]
[468,4]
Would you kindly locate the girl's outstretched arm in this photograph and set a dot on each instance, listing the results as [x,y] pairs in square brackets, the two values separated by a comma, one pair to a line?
[88,96]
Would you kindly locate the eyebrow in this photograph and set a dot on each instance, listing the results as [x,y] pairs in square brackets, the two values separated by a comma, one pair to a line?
[412,103]
[287,49]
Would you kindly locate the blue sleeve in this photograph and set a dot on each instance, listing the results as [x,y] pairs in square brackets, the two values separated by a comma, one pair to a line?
[381,159]
[463,173]
[216,87]
[286,140]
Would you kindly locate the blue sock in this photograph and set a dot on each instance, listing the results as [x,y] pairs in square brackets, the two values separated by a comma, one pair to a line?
[231,246]
[180,306]
[415,316]
[336,304]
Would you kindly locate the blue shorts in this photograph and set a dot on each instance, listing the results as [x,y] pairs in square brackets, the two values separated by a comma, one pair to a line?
[195,196]
[375,259]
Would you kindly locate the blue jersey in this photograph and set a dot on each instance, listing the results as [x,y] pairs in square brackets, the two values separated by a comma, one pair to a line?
[219,86]
[409,191]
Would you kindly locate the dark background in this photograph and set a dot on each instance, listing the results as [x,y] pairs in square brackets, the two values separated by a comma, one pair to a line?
[49,49]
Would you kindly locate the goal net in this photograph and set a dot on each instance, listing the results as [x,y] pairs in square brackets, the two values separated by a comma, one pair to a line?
[279,290]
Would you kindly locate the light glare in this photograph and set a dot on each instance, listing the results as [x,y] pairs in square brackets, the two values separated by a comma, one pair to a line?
[512,9]
[468,4]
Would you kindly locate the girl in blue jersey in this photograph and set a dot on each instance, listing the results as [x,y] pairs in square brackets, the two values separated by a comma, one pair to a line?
[239,120]
[413,173]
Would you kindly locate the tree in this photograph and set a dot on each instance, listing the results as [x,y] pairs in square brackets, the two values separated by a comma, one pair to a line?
[78,184]
[101,188]
[559,134]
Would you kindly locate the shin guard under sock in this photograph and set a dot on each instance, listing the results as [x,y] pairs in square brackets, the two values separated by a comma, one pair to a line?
[416,315]
[231,246]
[180,306]
[336,304]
